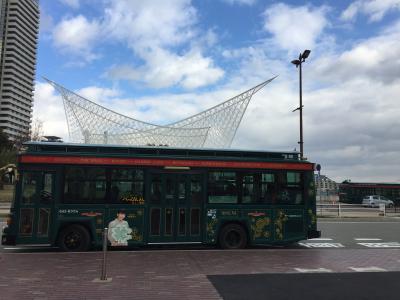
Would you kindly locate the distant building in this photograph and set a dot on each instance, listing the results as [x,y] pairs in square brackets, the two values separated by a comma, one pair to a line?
[354,192]
[327,189]
[19,28]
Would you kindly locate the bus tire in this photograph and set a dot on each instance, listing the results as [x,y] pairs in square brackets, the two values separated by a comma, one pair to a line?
[74,238]
[233,236]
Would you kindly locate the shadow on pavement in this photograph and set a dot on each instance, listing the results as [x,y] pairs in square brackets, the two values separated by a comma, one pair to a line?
[325,286]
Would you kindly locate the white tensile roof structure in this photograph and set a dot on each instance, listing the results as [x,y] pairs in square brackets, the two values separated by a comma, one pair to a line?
[92,123]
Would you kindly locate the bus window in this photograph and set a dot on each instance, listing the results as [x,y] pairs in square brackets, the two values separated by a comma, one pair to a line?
[83,185]
[46,194]
[127,186]
[291,188]
[195,221]
[222,187]
[30,180]
[26,221]
[268,188]
[170,189]
[196,190]
[44,221]
[155,189]
[248,188]
[296,187]
[181,189]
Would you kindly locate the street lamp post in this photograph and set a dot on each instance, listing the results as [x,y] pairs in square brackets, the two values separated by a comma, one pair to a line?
[298,63]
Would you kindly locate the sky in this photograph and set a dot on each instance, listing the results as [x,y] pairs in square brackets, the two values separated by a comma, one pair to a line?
[161,61]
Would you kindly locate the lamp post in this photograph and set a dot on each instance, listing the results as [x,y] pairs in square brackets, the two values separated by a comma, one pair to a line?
[298,63]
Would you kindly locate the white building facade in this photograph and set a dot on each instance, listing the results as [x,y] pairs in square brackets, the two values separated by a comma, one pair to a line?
[326,188]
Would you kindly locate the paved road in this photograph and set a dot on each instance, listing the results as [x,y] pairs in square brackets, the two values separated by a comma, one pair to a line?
[350,255]
[355,234]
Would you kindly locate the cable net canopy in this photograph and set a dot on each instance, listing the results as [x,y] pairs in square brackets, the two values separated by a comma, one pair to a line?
[92,123]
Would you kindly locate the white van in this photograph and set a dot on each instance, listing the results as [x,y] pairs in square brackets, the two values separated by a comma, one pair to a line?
[375,200]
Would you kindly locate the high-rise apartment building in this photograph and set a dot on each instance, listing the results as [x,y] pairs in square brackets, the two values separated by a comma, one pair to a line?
[19,29]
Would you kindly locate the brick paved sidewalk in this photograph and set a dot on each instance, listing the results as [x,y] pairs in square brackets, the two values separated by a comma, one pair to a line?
[164,274]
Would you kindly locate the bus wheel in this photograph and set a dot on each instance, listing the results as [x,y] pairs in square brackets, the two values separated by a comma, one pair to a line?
[74,238]
[233,236]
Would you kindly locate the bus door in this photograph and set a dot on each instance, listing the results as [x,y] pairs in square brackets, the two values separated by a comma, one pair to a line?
[35,205]
[175,207]
[189,208]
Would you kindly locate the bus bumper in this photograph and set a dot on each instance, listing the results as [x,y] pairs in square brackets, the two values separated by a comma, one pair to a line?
[312,234]
[7,239]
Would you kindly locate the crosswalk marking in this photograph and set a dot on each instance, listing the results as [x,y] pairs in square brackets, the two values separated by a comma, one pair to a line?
[322,245]
[321,239]
[381,245]
[367,239]
[368,269]
[319,270]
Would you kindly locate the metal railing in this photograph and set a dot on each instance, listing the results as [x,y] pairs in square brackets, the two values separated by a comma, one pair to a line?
[354,210]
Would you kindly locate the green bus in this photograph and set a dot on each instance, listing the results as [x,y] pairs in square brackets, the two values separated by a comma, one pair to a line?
[67,194]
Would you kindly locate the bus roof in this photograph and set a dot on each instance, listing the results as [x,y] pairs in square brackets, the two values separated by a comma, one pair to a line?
[160,151]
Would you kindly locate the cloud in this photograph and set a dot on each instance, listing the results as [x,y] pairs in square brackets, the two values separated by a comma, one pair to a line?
[240,2]
[98,94]
[71,3]
[48,107]
[164,69]
[166,46]
[295,28]
[77,36]
[375,59]
[150,23]
[374,9]
[154,31]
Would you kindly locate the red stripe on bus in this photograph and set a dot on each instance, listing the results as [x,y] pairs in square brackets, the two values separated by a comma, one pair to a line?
[161,162]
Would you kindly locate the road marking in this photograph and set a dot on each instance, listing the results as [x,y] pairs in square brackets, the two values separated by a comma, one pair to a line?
[319,270]
[368,269]
[320,239]
[322,245]
[367,239]
[381,245]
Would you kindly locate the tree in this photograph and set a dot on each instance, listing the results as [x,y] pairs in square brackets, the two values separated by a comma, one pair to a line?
[35,134]
[5,143]
[36,130]
[19,140]
[9,149]
[8,153]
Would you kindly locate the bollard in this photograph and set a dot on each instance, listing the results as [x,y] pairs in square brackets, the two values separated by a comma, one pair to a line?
[104,263]
[338,209]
